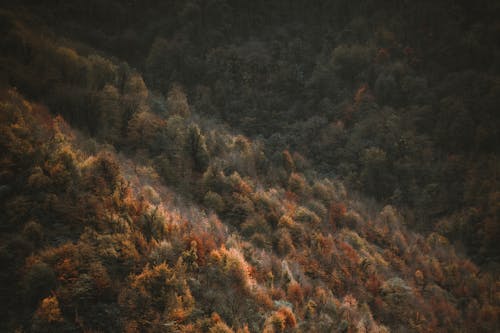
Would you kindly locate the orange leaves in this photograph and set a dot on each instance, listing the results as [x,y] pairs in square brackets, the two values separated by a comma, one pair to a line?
[62,129]
[220,327]
[102,174]
[205,243]
[287,317]
[437,271]
[263,299]
[179,314]
[280,321]
[163,288]
[286,221]
[240,185]
[373,284]
[489,315]
[295,293]
[349,252]
[337,211]
[49,310]
[244,188]
[446,313]
[419,277]
[233,267]
[306,217]
[349,301]
[67,270]
[100,276]
[324,245]
[298,185]
[227,278]
[285,242]
[291,198]
[288,162]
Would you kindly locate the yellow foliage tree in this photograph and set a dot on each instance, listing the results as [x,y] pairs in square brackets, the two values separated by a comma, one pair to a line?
[49,310]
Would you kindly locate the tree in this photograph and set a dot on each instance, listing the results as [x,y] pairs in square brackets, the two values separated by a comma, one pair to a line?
[197,148]
[143,130]
[280,321]
[38,282]
[110,114]
[101,72]
[158,292]
[177,103]
[386,89]
[351,61]
[48,316]
[374,175]
[135,95]
[336,213]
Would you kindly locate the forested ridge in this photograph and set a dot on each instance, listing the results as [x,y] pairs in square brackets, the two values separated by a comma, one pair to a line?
[233,166]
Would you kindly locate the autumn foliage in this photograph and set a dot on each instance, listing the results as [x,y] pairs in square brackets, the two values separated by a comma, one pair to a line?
[241,183]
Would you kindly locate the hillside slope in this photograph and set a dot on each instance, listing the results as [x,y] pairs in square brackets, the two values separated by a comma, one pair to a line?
[128,208]
[399,100]
[91,242]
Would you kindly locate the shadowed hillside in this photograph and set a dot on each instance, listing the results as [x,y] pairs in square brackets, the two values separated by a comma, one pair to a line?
[213,166]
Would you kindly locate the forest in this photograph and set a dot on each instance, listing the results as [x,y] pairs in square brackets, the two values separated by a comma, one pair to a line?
[249,166]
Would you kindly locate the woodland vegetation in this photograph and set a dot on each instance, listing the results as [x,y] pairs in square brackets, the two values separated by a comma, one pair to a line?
[235,166]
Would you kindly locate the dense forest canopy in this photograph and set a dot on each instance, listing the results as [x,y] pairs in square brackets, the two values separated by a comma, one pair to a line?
[236,166]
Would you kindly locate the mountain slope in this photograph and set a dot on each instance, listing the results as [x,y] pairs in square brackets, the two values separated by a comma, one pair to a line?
[125,209]
[397,100]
